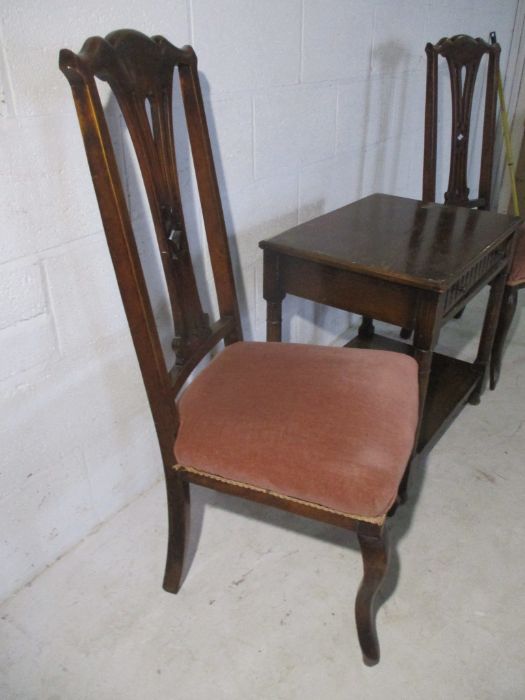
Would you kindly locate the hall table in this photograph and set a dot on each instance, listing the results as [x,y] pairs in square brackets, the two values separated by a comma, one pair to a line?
[408,263]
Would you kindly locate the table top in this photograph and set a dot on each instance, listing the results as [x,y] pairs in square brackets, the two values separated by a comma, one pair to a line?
[420,244]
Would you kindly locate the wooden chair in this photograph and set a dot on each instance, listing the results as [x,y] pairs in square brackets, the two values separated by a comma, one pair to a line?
[463,55]
[322,432]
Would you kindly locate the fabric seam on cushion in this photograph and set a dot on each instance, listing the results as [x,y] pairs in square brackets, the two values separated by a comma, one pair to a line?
[377,520]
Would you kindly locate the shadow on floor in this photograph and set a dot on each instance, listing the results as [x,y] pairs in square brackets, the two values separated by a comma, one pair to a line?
[398,525]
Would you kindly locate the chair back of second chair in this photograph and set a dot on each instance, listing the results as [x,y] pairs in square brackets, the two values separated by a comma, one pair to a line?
[463,55]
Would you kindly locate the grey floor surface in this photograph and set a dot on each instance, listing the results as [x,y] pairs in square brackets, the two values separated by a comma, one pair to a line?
[266,610]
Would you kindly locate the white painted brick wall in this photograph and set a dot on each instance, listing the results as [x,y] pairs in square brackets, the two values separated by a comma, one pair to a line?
[337,39]
[311,103]
[294,126]
[249,44]
[21,293]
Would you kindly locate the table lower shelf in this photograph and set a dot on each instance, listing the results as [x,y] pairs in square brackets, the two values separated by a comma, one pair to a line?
[452,382]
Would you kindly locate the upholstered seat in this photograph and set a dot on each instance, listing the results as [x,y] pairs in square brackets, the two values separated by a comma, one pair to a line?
[517,271]
[331,426]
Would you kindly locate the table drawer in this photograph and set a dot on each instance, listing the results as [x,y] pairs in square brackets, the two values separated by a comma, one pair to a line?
[350,291]
[480,273]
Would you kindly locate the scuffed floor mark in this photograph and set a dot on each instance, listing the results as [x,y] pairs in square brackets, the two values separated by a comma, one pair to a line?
[285,617]
[485,476]
[243,578]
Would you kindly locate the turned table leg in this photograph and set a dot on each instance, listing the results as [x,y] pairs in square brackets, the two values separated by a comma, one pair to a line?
[273,295]
[508,309]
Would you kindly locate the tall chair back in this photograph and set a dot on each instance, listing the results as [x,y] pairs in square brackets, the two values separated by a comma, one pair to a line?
[463,55]
[140,72]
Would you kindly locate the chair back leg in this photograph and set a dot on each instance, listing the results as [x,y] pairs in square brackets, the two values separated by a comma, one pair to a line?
[178,493]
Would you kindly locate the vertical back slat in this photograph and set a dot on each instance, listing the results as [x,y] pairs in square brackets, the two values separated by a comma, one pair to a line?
[462,95]
[430,146]
[155,150]
[489,127]
[209,194]
[122,247]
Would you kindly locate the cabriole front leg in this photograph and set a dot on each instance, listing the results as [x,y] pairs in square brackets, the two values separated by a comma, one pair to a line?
[375,552]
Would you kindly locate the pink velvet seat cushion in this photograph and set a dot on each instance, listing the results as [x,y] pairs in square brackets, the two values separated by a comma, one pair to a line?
[331,426]
[517,270]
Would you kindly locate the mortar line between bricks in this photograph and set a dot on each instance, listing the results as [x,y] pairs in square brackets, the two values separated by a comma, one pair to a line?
[12,110]
[76,545]
[20,321]
[45,251]
[254,170]
[191,21]
[50,307]
[301,44]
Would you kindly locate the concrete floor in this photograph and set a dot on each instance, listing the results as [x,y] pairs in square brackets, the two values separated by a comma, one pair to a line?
[266,610]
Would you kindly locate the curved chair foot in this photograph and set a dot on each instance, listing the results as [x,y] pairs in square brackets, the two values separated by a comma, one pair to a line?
[405,333]
[178,493]
[366,329]
[508,309]
[374,549]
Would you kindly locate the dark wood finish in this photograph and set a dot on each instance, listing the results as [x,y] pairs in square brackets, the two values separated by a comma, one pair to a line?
[140,72]
[367,329]
[397,240]
[508,309]
[463,55]
[276,500]
[273,295]
[343,289]
[442,256]
[493,313]
[375,552]
[510,300]
[451,384]
[178,495]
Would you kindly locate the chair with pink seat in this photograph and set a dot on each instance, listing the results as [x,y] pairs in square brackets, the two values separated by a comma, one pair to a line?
[322,432]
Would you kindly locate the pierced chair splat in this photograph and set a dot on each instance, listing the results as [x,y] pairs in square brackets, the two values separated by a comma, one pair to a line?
[326,433]
[463,55]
